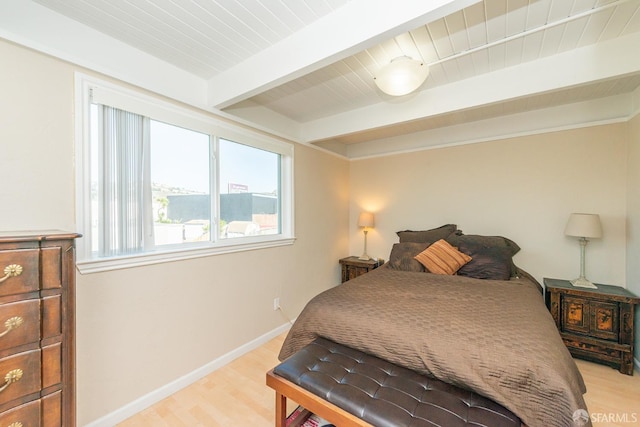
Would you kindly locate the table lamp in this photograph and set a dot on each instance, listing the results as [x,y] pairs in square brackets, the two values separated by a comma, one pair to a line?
[365,220]
[585,226]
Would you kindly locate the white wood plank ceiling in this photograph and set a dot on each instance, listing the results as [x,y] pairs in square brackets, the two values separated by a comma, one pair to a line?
[304,68]
[503,34]
[203,37]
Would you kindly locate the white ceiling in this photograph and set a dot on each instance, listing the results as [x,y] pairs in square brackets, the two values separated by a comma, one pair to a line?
[303,69]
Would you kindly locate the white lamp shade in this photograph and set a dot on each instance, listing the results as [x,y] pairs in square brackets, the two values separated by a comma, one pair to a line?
[365,219]
[584,225]
[401,76]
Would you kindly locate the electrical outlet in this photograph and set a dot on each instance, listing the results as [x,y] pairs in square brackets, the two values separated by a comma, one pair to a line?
[276,304]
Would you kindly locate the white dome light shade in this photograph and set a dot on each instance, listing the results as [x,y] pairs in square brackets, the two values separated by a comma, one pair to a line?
[401,76]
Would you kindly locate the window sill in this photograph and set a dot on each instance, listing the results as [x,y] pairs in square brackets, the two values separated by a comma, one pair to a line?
[149,258]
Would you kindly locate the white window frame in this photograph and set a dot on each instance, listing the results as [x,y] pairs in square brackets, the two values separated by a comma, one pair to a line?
[158,109]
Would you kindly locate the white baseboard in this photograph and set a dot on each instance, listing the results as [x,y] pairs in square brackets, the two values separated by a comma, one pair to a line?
[157,395]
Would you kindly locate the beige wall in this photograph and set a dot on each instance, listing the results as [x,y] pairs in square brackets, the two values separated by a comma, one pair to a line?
[141,328]
[522,188]
[633,220]
[36,136]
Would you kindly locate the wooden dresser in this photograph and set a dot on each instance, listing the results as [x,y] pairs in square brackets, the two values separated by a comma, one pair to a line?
[37,329]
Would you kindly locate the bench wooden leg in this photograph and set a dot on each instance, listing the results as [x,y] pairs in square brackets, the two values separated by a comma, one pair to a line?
[281,409]
[285,389]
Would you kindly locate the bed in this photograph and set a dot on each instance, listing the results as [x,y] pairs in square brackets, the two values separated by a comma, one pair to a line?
[484,328]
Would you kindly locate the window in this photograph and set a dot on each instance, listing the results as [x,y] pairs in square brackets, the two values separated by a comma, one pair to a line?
[157,182]
[249,188]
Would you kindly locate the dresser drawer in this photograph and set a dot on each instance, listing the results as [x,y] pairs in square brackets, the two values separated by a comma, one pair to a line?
[51,317]
[19,271]
[19,375]
[28,415]
[46,412]
[51,368]
[52,410]
[51,259]
[19,324]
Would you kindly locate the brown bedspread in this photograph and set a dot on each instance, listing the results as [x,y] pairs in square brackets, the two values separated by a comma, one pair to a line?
[493,337]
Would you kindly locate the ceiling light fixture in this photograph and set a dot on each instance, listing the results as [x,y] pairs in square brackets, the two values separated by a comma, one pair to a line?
[401,76]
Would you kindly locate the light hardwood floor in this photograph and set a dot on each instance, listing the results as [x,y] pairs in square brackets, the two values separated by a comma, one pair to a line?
[236,395]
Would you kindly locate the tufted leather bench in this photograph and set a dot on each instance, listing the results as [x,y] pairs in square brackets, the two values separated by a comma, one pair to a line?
[350,388]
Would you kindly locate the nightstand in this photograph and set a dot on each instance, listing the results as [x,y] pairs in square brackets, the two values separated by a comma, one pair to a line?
[353,267]
[595,324]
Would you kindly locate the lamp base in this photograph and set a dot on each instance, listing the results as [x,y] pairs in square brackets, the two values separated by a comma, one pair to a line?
[582,282]
[364,257]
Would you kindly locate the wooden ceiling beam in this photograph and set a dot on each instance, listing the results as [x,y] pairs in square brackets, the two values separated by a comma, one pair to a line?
[582,66]
[350,29]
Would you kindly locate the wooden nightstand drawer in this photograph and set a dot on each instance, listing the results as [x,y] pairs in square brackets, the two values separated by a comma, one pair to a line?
[590,317]
[604,319]
[575,315]
[591,346]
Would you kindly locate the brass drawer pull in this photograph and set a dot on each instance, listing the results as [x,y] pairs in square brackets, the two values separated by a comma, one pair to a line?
[11,377]
[11,323]
[16,424]
[11,271]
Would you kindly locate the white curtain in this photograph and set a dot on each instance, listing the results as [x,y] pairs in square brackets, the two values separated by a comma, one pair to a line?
[126,217]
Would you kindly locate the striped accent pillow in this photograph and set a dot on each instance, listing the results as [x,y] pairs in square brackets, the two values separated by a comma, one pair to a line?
[442,258]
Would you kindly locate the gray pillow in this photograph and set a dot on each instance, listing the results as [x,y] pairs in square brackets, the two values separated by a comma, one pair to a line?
[490,263]
[401,257]
[477,242]
[427,236]
[491,256]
